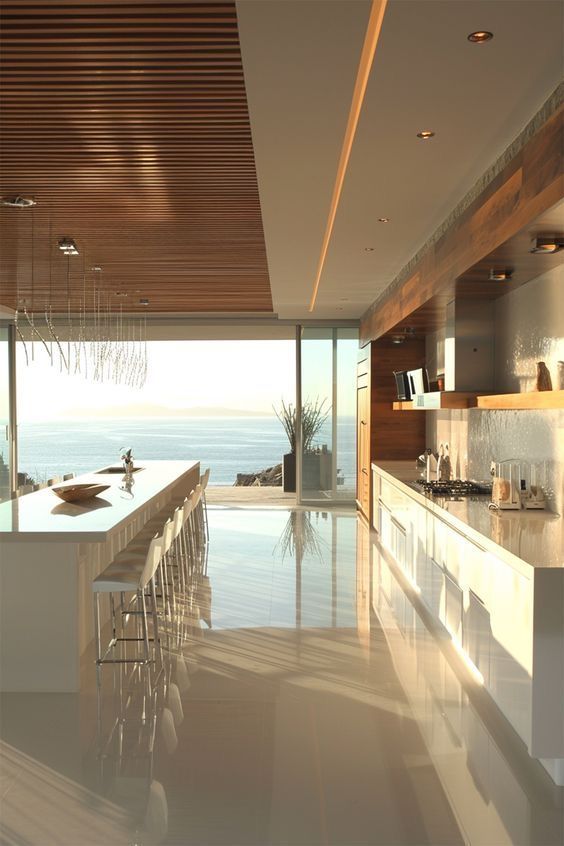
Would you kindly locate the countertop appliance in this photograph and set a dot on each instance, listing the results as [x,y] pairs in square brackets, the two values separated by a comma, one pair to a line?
[402,385]
[418,380]
[506,487]
[411,382]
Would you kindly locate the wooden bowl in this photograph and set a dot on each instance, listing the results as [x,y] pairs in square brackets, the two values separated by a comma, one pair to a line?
[77,493]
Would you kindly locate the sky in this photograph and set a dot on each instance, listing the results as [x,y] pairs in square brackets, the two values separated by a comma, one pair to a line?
[249,376]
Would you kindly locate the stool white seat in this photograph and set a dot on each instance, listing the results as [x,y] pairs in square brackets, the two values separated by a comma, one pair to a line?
[129,574]
[68,476]
[116,580]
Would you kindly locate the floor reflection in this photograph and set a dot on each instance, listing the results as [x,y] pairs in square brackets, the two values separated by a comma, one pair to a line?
[303,701]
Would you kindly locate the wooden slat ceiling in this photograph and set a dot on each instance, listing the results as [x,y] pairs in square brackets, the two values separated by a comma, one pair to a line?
[128,123]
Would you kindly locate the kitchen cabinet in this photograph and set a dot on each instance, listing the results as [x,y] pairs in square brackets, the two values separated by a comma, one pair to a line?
[505,618]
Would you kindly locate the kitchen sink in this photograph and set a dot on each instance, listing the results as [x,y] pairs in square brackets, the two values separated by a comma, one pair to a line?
[118,470]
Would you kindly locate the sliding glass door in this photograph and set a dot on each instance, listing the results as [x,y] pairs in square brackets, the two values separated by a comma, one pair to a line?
[327,397]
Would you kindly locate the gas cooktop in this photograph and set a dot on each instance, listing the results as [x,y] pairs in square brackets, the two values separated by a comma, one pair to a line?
[454,487]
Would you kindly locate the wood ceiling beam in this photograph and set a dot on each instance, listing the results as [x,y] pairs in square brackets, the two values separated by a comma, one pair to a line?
[529,186]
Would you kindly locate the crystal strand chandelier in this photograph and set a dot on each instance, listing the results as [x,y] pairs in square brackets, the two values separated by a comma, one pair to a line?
[89,337]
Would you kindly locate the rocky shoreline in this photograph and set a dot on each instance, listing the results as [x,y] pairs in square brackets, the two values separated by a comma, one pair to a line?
[271,478]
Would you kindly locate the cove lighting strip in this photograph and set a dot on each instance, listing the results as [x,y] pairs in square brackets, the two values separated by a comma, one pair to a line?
[365,65]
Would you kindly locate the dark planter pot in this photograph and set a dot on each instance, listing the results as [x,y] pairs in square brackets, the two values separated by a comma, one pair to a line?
[289,472]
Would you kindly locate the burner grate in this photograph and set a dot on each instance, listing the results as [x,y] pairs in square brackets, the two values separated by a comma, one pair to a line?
[455,487]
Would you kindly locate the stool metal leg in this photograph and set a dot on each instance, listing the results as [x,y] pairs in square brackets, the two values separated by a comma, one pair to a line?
[97,635]
[206,523]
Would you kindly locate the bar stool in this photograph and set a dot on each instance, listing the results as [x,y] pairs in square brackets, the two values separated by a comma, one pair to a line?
[136,550]
[188,539]
[68,476]
[54,481]
[129,575]
[199,516]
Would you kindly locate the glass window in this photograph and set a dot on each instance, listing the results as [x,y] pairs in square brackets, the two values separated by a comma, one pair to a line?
[328,414]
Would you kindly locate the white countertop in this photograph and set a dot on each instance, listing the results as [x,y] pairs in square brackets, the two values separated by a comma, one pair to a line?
[533,537]
[43,516]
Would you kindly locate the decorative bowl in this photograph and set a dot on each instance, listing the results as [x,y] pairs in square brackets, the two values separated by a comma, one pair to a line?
[76,493]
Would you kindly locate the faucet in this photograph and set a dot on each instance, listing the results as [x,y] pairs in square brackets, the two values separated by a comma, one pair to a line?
[127,459]
[443,464]
[428,456]
[440,460]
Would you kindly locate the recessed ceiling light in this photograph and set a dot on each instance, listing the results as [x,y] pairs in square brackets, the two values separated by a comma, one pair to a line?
[121,294]
[369,249]
[500,275]
[343,299]
[68,247]
[425,134]
[96,268]
[383,220]
[19,202]
[480,36]
[143,301]
[547,244]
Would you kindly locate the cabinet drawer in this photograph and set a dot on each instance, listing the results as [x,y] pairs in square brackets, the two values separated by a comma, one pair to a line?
[399,546]
[394,498]
[385,526]
[393,537]
[453,608]
[433,589]
[477,635]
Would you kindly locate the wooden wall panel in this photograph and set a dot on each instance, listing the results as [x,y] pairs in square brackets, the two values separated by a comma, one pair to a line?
[128,124]
[494,229]
[394,435]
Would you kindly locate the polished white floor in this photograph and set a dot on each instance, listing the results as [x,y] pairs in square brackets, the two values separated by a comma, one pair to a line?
[305,701]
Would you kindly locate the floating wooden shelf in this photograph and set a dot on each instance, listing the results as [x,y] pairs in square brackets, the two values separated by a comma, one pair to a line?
[437,400]
[531,399]
[457,399]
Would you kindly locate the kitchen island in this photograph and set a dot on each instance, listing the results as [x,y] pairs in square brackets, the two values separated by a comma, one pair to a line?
[50,551]
[495,582]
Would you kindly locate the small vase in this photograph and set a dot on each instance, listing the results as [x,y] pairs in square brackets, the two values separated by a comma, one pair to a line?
[544,382]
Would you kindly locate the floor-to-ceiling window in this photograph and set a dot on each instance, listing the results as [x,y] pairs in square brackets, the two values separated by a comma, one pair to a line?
[214,400]
[328,357]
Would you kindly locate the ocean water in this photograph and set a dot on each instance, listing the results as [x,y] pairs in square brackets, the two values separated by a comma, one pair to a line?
[228,445]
